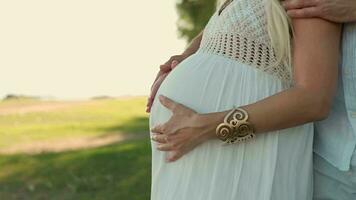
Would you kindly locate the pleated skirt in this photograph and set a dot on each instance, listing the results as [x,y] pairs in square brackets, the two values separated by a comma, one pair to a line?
[274,166]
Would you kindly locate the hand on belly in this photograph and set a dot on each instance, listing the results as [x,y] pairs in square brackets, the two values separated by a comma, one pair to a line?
[184,131]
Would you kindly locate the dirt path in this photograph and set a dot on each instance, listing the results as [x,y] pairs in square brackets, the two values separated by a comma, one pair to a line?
[42,106]
[47,106]
[69,144]
[60,145]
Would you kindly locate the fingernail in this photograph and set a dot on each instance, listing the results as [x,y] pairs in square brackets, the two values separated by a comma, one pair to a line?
[174,64]
[161,97]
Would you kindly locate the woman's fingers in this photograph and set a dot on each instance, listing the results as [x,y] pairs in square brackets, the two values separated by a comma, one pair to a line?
[176,145]
[174,64]
[169,103]
[158,129]
[165,67]
[160,138]
[166,147]
[171,63]
[158,80]
[154,90]
[173,156]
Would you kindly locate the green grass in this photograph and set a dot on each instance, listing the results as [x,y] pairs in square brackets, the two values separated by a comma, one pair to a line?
[100,118]
[119,171]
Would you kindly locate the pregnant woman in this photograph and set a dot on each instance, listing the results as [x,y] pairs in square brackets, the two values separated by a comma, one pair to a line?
[233,120]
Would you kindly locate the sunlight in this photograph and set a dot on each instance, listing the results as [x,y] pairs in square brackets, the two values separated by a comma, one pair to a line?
[75,49]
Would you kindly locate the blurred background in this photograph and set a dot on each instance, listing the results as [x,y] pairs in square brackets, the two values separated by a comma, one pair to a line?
[74,79]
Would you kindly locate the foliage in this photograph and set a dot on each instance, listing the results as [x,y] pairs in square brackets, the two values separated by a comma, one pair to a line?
[193,16]
[20,97]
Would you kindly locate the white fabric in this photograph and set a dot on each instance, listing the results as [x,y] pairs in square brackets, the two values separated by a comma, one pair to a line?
[240,33]
[332,184]
[335,137]
[274,166]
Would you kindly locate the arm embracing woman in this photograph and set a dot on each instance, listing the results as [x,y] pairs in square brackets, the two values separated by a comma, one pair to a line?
[315,60]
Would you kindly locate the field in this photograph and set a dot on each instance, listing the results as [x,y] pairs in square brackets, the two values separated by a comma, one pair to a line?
[80,150]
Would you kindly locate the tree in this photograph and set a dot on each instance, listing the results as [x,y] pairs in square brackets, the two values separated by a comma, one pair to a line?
[193,16]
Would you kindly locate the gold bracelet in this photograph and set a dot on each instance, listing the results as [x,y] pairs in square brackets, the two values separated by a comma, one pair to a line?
[235,127]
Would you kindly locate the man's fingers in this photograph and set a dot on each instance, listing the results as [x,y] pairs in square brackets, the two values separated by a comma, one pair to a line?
[304,13]
[297,4]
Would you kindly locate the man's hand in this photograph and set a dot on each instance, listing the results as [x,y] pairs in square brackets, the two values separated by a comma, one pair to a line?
[165,69]
[340,11]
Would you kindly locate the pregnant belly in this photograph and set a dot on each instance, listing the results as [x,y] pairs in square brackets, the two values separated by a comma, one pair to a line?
[211,83]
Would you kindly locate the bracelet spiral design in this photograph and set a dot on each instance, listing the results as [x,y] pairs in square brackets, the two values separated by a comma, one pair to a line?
[225,131]
[235,127]
[244,129]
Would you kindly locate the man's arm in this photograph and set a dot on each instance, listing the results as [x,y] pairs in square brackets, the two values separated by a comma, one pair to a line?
[341,11]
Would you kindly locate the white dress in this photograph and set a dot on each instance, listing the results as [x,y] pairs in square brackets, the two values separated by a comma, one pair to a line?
[233,67]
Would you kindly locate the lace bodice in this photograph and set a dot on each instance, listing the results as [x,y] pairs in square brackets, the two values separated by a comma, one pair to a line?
[240,33]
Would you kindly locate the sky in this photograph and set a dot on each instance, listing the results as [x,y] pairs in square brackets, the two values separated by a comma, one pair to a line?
[77,49]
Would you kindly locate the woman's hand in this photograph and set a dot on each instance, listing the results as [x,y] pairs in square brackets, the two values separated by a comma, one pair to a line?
[185,130]
[165,69]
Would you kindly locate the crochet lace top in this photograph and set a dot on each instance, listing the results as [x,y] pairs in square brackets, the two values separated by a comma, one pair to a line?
[240,33]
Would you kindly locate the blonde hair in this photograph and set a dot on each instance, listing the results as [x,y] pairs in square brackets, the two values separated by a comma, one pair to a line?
[279,30]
